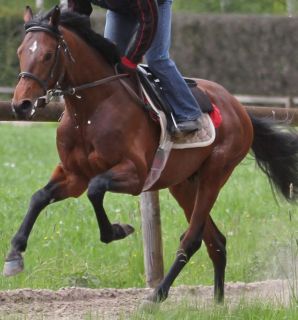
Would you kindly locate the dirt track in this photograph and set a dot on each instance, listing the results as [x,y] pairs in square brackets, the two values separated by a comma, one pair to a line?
[75,303]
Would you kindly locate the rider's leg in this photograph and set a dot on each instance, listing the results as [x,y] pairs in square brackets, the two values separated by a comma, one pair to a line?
[177,93]
[119,29]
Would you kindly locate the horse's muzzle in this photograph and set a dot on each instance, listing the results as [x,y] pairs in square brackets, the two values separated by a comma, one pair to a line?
[23,109]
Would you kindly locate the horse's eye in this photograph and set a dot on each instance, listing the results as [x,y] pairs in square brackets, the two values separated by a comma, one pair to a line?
[48,56]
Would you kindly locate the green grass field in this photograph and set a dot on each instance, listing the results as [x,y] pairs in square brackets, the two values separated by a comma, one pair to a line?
[64,247]
[243,311]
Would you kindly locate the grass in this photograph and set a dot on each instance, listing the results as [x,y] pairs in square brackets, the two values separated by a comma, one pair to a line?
[64,247]
[242,311]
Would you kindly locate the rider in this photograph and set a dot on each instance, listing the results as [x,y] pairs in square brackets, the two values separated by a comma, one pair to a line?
[143,27]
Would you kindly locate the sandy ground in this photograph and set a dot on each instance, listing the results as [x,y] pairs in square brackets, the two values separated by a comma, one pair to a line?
[82,303]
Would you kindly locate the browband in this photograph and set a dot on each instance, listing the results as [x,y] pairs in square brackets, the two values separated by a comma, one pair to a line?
[54,33]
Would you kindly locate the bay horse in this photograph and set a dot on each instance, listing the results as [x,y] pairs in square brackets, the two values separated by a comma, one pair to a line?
[106,142]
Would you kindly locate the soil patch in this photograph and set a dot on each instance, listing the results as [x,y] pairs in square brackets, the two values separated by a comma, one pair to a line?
[83,303]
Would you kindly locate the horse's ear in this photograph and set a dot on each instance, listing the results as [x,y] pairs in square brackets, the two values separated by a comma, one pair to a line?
[55,17]
[28,14]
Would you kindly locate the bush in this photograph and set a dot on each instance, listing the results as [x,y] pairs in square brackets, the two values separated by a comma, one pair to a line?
[10,37]
[235,6]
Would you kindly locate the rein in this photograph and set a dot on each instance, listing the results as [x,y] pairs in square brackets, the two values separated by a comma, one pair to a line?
[72,90]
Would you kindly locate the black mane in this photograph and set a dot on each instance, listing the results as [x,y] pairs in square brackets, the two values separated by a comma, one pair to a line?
[80,24]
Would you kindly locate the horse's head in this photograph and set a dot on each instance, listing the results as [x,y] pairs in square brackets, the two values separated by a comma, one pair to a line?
[47,65]
[40,65]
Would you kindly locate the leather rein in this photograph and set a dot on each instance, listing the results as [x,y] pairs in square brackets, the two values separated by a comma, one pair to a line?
[57,91]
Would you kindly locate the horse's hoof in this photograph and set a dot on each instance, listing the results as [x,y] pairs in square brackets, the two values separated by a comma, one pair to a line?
[157,296]
[128,229]
[121,231]
[13,267]
[148,306]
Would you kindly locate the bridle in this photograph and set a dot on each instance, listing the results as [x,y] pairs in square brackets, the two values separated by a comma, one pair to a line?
[61,45]
[57,91]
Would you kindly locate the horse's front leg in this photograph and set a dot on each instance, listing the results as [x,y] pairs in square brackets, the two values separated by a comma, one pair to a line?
[122,178]
[60,186]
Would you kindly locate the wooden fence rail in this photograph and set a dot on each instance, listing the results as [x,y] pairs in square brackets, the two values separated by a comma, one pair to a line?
[50,113]
[151,225]
[54,110]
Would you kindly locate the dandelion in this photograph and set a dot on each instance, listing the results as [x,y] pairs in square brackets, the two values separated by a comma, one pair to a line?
[9,164]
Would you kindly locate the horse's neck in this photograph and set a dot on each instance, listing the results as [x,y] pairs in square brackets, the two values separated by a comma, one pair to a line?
[87,66]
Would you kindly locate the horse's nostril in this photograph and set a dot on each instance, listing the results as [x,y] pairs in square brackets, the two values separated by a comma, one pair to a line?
[22,109]
[25,105]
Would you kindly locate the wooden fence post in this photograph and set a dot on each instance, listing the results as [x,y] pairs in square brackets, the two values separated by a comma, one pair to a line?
[64,3]
[39,4]
[152,239]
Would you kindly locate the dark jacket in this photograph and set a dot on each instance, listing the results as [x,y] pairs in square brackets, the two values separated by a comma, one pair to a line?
[145,13]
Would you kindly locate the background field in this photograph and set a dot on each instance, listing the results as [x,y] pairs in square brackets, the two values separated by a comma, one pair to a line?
[64,249]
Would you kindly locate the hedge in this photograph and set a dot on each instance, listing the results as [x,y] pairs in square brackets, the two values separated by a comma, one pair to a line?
[247,54]
[10,38]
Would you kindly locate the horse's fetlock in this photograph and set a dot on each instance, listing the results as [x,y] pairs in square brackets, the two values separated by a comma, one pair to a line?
[106,239]
[19,243]
[160,294]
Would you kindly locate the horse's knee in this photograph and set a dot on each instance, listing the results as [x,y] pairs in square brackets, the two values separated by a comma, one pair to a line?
[41,197]
[97,187]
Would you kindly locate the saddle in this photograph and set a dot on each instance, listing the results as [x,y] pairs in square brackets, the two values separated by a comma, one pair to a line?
[154,90]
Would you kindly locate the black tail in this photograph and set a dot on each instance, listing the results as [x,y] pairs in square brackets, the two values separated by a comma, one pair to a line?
[275,147]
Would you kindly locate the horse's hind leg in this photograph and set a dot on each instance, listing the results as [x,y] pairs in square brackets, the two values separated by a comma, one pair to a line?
[215,242]
[60,186]
[213,176]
